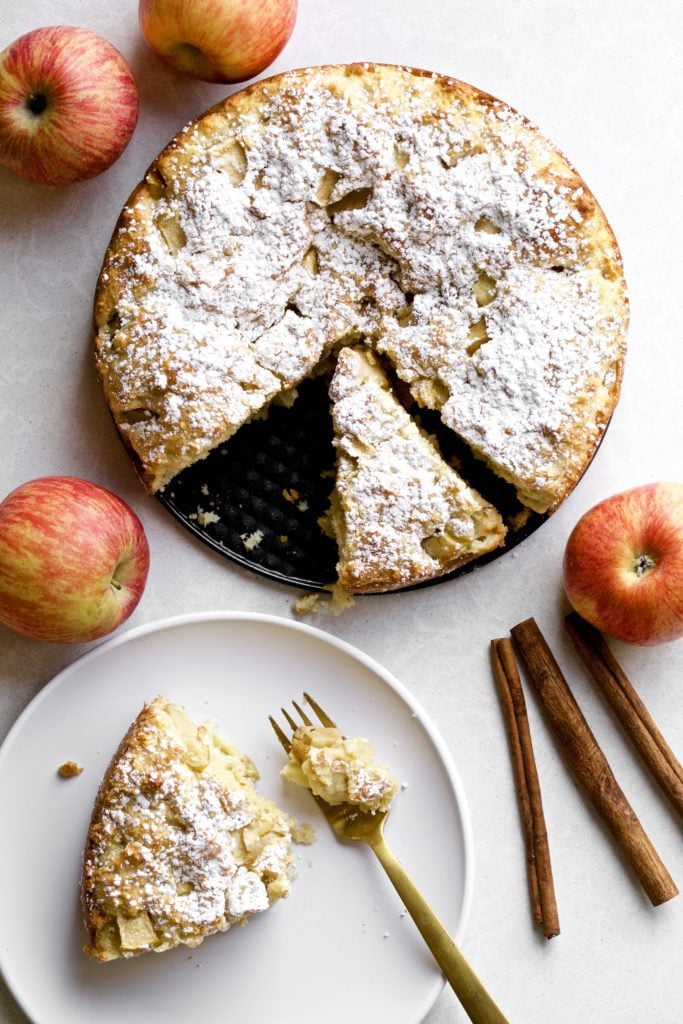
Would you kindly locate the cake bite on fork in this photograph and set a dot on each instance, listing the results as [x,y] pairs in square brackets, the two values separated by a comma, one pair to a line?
[355,815]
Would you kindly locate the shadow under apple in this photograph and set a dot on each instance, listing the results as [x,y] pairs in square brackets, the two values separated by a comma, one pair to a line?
[167,93]
[24,201]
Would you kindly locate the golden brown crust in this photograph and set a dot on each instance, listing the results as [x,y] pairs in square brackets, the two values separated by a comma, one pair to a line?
[180,844]
[92,917]
[563,451]
[388,581]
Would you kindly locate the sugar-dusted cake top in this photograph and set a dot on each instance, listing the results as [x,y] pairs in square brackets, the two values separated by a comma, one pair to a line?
[368,202]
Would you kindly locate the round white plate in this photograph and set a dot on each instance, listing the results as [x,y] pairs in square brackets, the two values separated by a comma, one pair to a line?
[340,947]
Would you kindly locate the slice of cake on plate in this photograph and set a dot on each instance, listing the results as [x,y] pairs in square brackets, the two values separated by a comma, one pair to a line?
[180,843]
[400,513]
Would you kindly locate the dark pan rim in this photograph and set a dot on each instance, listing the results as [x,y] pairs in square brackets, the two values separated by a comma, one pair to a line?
[535,521]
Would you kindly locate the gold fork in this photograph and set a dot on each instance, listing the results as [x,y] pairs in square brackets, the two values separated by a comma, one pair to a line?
[348,822]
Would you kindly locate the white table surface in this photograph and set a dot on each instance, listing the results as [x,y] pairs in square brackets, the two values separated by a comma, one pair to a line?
[603,79]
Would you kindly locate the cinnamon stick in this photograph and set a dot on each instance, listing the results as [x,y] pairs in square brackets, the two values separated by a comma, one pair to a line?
[628,707]
[589,764]
[539,870]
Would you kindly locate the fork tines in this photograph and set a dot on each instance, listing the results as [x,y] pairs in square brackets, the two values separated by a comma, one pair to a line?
[322,716]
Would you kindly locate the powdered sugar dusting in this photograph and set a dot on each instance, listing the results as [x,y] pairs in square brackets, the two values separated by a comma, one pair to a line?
[337,208]
[168,860]
[197,851]
[394,491]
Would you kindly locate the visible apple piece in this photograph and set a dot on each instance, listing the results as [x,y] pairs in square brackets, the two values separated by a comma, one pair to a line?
[172,232]
[326,186]
[484,289]
[234,160]
[136,932]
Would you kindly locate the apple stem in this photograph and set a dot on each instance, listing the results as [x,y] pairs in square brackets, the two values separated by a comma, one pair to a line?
[37,103]
[115,584]
[643,564]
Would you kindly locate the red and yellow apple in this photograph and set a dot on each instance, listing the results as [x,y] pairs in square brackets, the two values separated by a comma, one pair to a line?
[217,40]
[73,560]
[623,564]
[68,105]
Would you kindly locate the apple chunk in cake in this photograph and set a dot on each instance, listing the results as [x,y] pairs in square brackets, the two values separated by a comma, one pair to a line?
[399,512]
[339,769]
[180,844]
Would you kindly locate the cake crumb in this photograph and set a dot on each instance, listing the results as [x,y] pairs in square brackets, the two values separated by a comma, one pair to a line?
[303,833]
[69,769]
[303,506]
[306,605]
[338,601]
[291,494]
[206,518]
[252,540]
[519,519]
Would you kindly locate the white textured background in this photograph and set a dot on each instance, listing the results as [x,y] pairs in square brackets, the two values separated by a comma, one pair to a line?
[603,79]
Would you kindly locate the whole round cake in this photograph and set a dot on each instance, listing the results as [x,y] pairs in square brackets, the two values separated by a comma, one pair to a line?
[371,205]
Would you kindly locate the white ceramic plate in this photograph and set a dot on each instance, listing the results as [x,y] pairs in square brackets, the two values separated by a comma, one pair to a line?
[339,948]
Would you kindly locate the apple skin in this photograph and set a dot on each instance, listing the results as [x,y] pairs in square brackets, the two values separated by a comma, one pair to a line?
[73,560]
[217,40]
[68,105]
[623,565]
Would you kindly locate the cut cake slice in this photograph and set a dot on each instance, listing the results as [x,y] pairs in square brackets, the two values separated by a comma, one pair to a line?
[401,515]
[180,843]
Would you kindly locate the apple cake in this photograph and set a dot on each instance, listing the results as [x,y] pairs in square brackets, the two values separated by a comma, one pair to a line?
[339,769]
[398,510]
[370,204]
[181,844]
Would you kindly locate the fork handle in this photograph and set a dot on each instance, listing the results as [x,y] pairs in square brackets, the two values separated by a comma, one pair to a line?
[480,1007]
